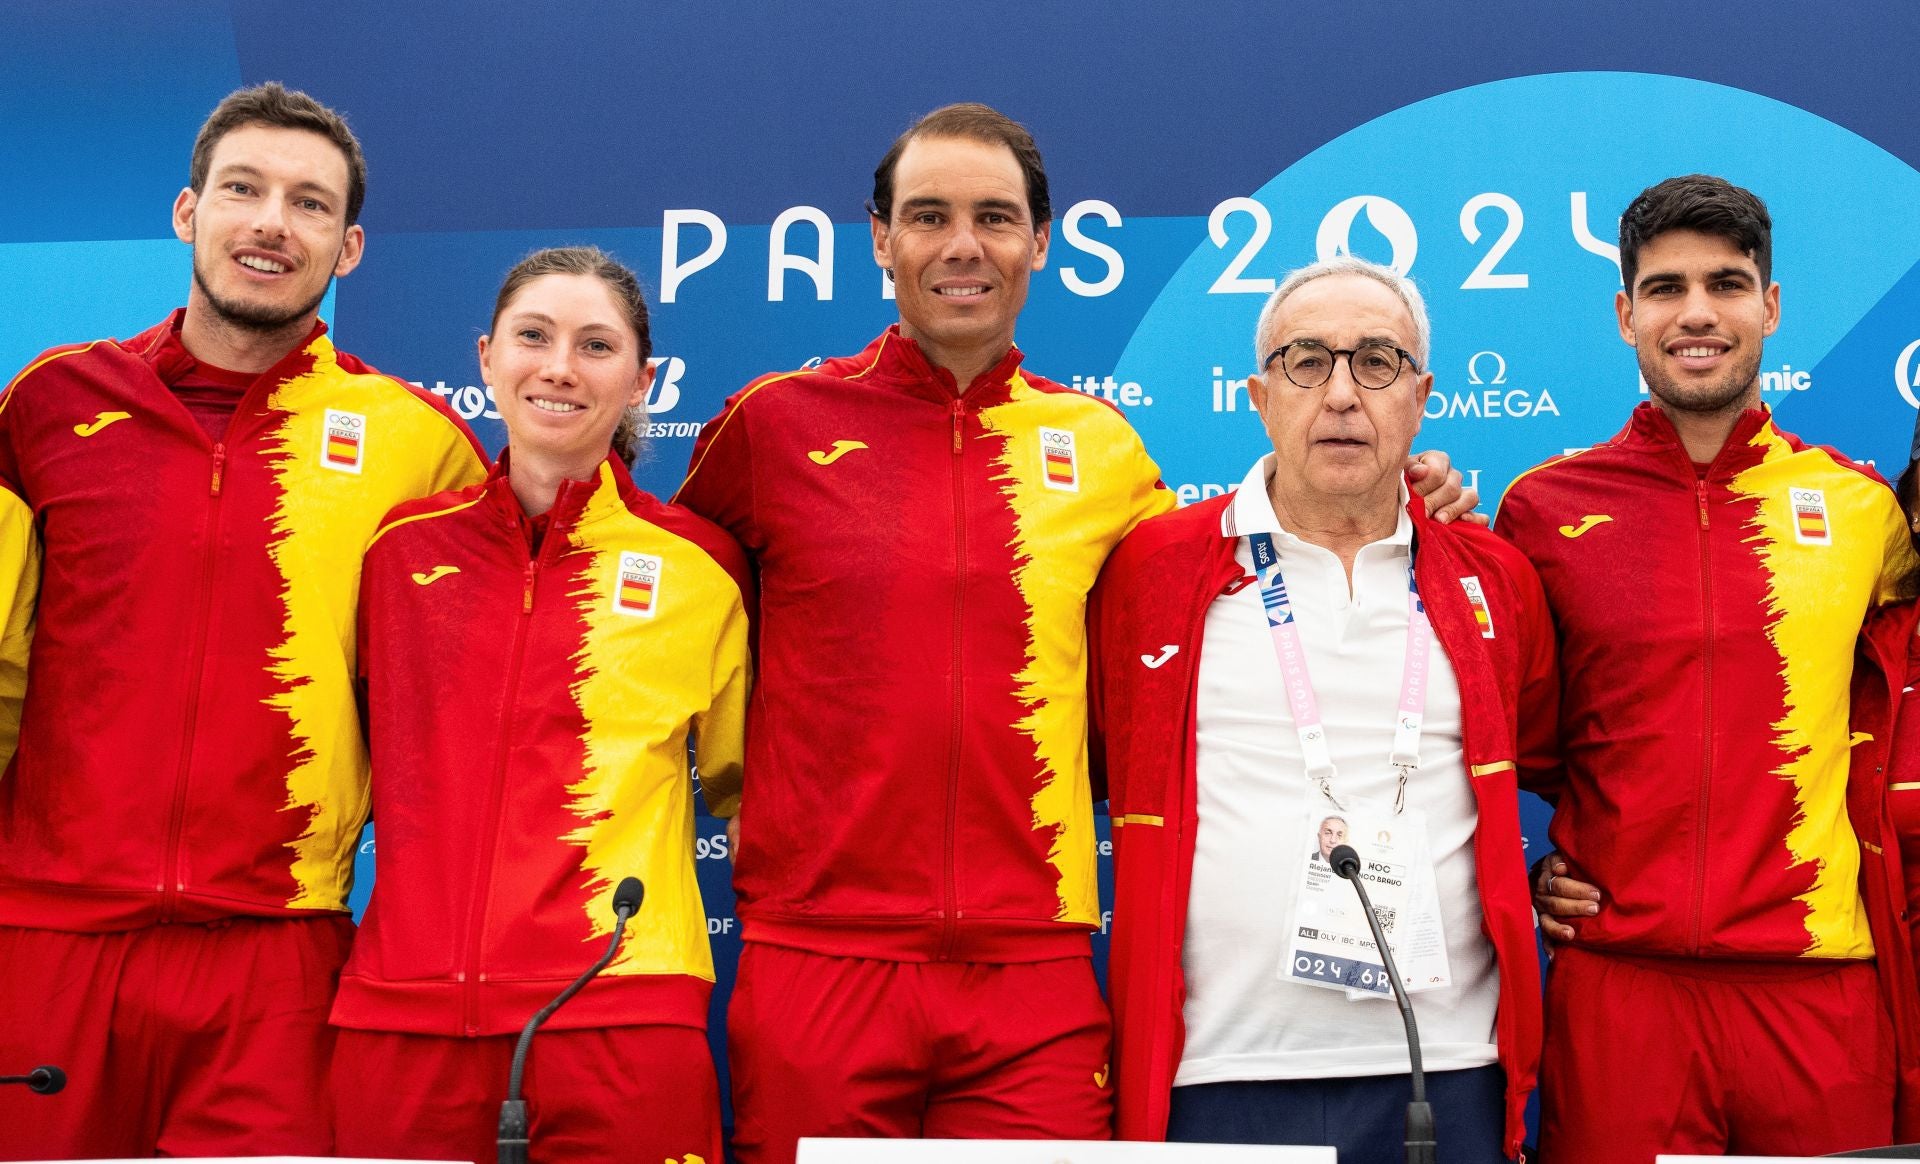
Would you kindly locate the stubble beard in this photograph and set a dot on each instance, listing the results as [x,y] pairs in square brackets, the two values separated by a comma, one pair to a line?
[1729,393]
[253,317]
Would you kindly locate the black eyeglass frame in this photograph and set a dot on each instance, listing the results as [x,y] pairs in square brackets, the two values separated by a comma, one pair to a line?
[1406,361]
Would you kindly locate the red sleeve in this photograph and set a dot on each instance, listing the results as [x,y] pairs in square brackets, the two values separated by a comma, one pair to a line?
[719,482]
[1096,689]
[1538,736]
[10,419]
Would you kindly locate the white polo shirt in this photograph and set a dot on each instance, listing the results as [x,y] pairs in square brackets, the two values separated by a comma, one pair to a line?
[1243,1021]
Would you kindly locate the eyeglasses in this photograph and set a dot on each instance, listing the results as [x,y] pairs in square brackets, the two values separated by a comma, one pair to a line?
[1372,365]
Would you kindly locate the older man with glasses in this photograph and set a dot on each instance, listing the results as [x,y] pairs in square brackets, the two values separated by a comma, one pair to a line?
[1265,661]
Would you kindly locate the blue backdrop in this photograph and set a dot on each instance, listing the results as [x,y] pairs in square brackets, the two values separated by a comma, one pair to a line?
[1196,153]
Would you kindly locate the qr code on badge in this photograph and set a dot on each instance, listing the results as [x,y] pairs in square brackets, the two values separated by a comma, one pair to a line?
[1387,915]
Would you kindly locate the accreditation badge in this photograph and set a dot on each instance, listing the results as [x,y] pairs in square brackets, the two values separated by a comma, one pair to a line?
[1422,953]
[1329,943]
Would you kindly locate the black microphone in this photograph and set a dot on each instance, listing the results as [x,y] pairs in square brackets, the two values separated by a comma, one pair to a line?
[1420,1143]
[513,1132]
[40,1080]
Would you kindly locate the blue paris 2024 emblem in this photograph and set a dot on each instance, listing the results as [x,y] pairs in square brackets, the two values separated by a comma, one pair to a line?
[1502,201]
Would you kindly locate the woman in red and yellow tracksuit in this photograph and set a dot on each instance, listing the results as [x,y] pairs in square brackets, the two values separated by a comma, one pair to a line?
[537,650]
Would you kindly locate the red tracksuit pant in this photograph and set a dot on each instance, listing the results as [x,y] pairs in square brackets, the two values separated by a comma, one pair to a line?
[598,1095]
[856,1047]
[177,1040]
[1692,1056]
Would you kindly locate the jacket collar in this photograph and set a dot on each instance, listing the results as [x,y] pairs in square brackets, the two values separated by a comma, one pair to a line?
[1747,445]
[161,349]
[575,503]
[899,362]
[1249,511]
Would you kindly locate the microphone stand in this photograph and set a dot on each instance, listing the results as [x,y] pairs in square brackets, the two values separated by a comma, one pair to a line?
[40,1080]
[1420,1141]
[513,1135]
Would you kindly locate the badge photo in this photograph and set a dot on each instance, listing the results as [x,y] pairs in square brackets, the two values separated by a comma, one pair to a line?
[636,591]
[343,441]
[1059,464]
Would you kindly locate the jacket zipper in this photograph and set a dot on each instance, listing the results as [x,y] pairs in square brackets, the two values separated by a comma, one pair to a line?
[1698,906]
[471,975]
[173,879]
[950,912]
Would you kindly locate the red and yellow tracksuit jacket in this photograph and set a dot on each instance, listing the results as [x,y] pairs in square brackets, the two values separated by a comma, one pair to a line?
[1156,592]
[192,750]
[917,745]
[529,713]
[1882,795]
[1707,621]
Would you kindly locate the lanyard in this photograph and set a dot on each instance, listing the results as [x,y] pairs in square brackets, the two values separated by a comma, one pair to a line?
[1287,647]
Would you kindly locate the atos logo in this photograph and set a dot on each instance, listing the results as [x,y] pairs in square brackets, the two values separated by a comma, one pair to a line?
[713,848]
[1905,376]
[468,401]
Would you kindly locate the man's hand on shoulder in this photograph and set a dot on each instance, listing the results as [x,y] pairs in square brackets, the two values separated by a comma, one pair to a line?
[1439,484]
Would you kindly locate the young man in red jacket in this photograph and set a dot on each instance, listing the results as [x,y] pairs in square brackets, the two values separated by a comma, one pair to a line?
[916,875]
[178,826]
[1743,984]
[1308,662]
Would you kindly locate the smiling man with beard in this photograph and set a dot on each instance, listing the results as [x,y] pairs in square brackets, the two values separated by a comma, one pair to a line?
[916,865]
[177,830]
[1738,982]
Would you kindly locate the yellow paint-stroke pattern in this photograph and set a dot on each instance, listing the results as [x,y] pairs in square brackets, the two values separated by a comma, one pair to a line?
[319,530]
[1061,539]
[1817,595]
[640,682]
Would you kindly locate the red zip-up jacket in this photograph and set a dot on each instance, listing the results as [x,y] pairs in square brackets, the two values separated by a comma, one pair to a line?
[530,713]
[191,750]
[1889,878]
[1155,593]
[918,784]
[1706,624]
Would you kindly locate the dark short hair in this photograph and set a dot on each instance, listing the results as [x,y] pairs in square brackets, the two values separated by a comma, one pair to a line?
[1907,491]
[1702,203]
[626,293]
[973,122]
[275,105]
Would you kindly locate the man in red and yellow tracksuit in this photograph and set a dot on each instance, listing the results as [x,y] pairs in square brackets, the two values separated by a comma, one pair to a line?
[529,709]
[916,870]
[1734,990]
[916,863]
[178,826]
